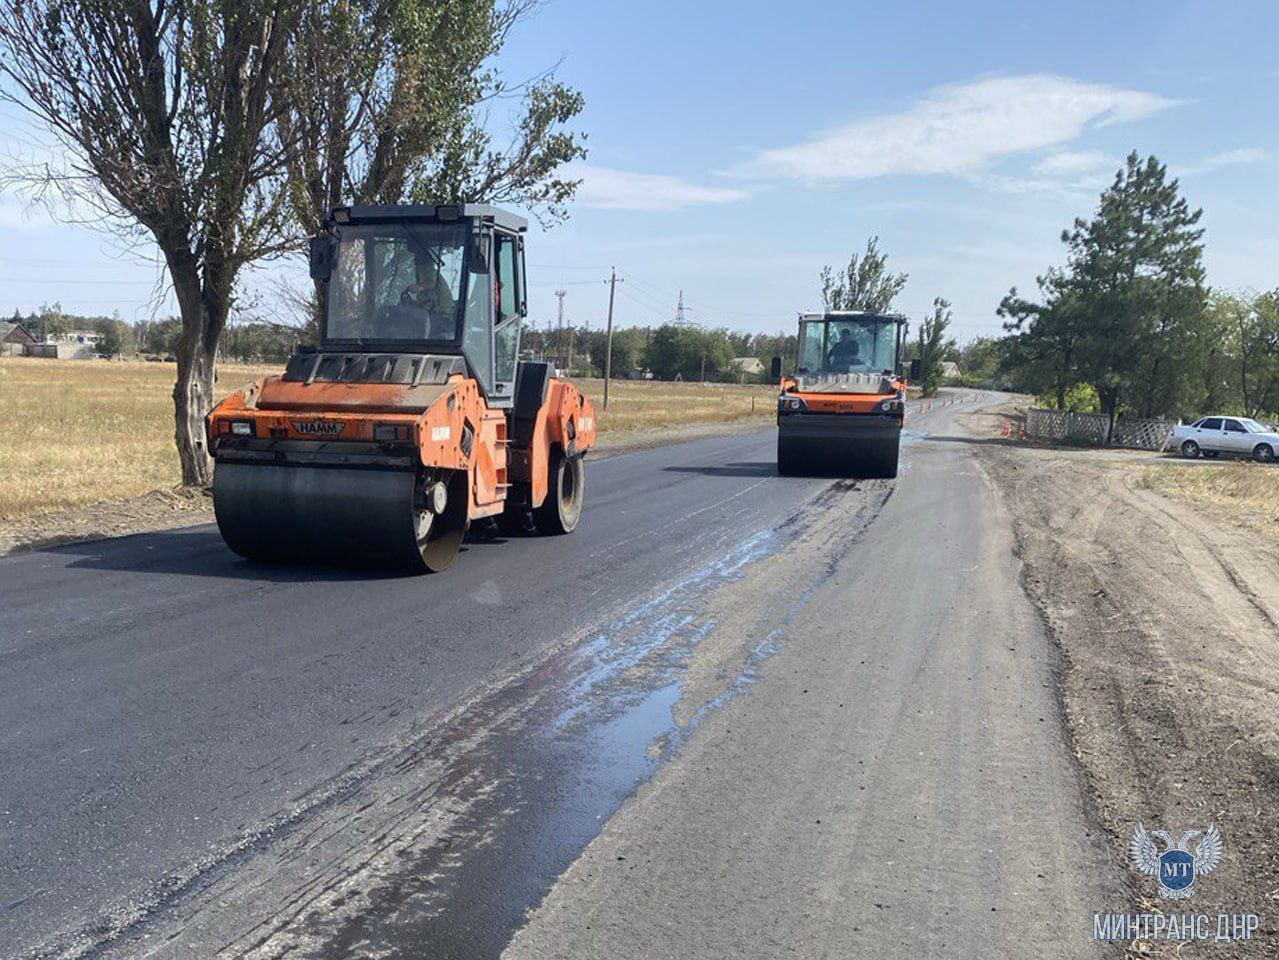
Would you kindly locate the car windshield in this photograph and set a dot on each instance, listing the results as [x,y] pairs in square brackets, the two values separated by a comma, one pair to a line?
[397,282]
[848,345]
[1252,426]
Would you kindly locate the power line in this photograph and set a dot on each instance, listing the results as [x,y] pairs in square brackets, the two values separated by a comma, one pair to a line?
[643,301]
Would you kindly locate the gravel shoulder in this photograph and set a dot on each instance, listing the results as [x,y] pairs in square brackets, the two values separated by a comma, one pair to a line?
[1167,617]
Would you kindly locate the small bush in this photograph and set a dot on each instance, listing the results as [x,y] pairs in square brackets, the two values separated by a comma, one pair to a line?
[1081,398]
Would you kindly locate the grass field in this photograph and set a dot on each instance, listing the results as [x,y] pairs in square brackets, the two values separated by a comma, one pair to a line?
[1247,492]
[74,433]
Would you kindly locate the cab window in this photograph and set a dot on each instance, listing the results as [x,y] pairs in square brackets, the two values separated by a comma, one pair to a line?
[506,282]
[1212,423]
[1233,426]
[506,337]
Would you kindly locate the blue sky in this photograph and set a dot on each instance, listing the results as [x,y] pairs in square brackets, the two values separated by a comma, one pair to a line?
[735,148]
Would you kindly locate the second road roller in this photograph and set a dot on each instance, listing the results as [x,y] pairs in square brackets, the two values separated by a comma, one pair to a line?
[841,413]
[414,417]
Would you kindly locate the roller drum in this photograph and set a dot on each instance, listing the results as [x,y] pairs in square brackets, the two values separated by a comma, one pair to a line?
[838,446]
[336,515]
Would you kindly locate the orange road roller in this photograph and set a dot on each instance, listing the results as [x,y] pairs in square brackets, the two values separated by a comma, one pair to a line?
[841,414]
[414,417]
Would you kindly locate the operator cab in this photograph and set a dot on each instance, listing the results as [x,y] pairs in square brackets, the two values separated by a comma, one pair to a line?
[847,349]
[445,281]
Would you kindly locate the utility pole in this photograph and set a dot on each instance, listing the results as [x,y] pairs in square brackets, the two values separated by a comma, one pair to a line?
[559,328]
[608,338]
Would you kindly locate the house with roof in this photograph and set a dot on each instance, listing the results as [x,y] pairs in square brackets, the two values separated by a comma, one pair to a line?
[14,338]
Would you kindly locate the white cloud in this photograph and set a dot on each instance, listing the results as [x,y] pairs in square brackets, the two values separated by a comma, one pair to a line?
[959,129]
[1077,163]
[1233,158]
[1239,157]
[609,189]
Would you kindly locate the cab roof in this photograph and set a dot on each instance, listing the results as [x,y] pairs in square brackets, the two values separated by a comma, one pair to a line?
[853,314]
[434,212]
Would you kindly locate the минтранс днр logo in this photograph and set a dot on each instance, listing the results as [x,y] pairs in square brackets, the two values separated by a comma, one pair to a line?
[1176,867]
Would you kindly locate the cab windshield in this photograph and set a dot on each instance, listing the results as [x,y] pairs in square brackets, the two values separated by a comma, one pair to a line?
[397,282]
[848,345]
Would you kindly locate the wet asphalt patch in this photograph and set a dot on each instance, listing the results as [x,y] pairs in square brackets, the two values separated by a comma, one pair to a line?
[540,765]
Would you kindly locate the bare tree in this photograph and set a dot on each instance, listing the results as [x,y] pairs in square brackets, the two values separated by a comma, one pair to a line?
[163,111]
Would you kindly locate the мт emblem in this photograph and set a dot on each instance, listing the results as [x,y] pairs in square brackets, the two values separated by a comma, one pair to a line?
[1176,868]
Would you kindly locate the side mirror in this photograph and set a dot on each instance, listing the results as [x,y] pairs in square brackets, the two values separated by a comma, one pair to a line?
[777,368]
[477,253]
[916,369]
[324,251]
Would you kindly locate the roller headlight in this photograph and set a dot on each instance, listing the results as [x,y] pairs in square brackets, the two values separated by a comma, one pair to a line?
[390,432]
[790,404]
[242,428]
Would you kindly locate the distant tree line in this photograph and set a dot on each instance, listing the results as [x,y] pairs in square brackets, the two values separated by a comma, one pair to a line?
[665,351]
[243,340]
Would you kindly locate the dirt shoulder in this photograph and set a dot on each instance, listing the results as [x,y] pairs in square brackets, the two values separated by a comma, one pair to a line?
[117,517]
[1167,614]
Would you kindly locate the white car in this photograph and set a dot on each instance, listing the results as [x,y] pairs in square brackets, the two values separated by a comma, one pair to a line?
[1236,436]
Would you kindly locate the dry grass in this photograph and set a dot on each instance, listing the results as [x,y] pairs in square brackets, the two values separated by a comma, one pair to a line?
[74,433]
[637,407]
[1246,492]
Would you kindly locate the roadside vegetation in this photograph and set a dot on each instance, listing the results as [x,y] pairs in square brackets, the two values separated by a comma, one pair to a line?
[220,133]
[77,433]
[1246,493]
[1129,323]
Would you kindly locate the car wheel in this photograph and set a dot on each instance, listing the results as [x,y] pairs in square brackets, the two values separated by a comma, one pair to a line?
[1263,453]
[1190,449]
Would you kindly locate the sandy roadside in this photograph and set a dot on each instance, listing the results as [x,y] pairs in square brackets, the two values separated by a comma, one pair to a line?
[1167,615]
[178,507]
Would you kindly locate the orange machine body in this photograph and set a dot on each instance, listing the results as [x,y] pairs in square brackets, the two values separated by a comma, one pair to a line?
[445,426]
[867,403]
[414,415]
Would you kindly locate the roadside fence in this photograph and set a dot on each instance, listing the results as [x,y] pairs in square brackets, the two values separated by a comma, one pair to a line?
[1090,428]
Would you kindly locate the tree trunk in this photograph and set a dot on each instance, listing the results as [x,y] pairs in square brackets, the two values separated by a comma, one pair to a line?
[192,400]
[204,308]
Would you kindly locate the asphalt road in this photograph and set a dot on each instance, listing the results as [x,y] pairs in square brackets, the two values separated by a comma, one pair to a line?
[188,741]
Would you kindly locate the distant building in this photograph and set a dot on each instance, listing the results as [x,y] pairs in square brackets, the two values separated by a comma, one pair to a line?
[73,345]
[748,368]
[14,338]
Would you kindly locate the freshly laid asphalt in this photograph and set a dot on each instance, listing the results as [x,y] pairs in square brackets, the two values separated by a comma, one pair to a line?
[159,695]
[161,700]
